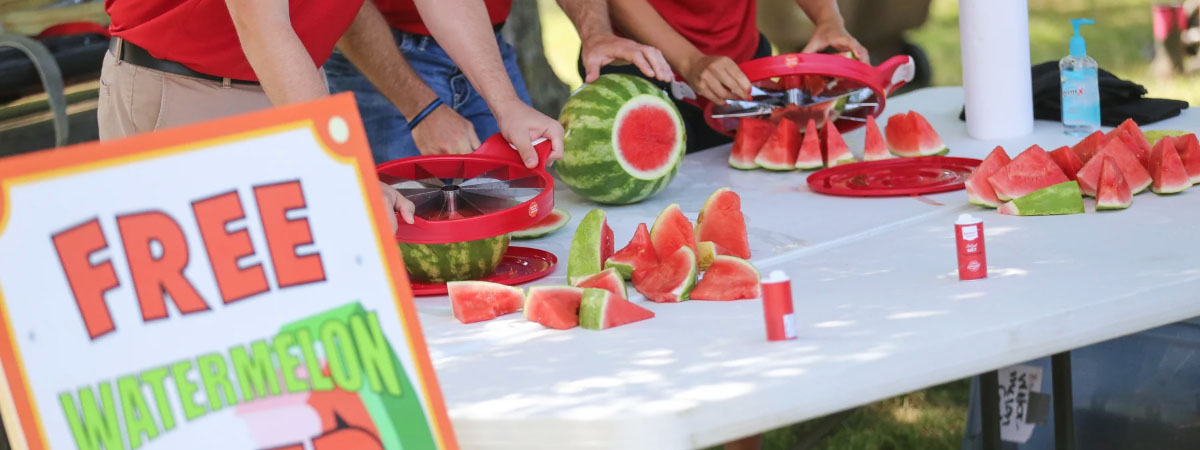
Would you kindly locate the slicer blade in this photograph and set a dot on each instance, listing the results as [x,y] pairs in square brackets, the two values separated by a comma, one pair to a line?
[454,198]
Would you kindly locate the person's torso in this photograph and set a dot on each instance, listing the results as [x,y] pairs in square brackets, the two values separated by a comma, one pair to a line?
[200,33]
[402,14]
[715,27]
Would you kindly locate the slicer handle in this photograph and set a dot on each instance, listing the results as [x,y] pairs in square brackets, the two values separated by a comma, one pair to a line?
[499,148]
[896,72]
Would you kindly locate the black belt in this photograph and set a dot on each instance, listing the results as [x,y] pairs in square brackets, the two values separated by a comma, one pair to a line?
[126,51]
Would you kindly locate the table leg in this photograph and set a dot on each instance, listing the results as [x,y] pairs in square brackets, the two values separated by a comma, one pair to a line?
[989,404]
[1064,403]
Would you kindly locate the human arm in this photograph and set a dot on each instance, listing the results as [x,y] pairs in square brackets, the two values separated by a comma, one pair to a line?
[600,46]
[280,61]
[829,29]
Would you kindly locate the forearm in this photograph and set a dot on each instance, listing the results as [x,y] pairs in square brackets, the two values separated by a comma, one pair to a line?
[589,16]
[463,30]
[369,45]
[639,20]
[280,61]
[821,11]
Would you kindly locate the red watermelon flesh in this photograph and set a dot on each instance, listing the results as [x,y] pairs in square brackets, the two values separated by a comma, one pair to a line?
[1033,169]
[810,157]
[638,253]
[646,137]
[836,151]
[477,301]
[1189,152]
[728,278]
[671,280]
[781,149]
[670,231]
[1090,146]
[979,189]
[1067,160]
[1135,175]
[1113,192]
[875,148]
[1135,144]
[608,279]
[1170,177]
[554,306]
[927,138]
[751,134]
[902,136]
[602,310]
[722,223]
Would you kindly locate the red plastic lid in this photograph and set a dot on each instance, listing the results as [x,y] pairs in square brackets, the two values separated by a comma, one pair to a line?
[519,265]
[894,177]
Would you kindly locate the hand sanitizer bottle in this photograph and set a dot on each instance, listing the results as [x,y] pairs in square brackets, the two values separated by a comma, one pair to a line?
[1080,89]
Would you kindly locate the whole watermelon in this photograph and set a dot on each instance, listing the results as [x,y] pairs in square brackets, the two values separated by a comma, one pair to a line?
[624,140]
[456,261]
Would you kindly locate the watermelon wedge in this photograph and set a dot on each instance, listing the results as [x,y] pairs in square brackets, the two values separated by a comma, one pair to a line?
[1189,152]
[722,223]
[979,189]
[810,157]
[706,253]
[591,247]
[1154,135]
[1067,160]
[875,148]
[910,135]
[1033,169]
[672,230]
[637,254]
[1167,170]
[1136,175]
[608,279]
[836,151]
[671,280]
[1134,140]
[781,149]
[1090,146]
[751,134]
[1113,192]
[729,278]
[554,307]
[1061,198]
[601,310]
[477,301]
[557,219]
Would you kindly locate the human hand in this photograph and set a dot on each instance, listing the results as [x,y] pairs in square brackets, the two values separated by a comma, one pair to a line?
[834,34]
[444,132]
[520,124]
[396,203]
[717,78]
[602,49]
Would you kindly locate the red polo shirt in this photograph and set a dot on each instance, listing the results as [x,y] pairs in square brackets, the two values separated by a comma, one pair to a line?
[402,14]
[200,34]
[715,27]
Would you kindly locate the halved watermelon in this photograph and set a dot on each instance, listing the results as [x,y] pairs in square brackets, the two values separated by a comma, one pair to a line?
[979,189]
[810,157]
[477,301]
[554,306]
[706,253]
[638,253]
[671,280]
[1189,152]
[780,150]
[1134,140]
[721,222]
[558,218]
[751,134]
[1170,177]
[601,310]
[1033,169]
[608,279]
[836,151]
[1061,198]
[910,135]
[875,148]
[672,230]
[1136,175]
[1090,146]
[591,247]
[729,278]
[1067,160]
[1113,192]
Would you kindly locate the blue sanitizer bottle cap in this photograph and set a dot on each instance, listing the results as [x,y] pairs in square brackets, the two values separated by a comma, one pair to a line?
[1078,46]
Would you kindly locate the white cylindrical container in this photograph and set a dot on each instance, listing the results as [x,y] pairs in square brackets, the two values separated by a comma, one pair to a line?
[997,91]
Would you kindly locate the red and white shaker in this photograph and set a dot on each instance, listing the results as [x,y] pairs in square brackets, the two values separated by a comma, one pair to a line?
[777,307]
[972,254]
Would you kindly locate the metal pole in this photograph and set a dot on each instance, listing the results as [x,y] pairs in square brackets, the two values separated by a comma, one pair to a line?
[1064,402]
[989,404]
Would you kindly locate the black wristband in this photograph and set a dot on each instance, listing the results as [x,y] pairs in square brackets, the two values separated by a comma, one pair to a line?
[437,101]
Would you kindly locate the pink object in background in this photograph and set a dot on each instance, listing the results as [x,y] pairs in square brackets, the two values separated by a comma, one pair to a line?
[777,307]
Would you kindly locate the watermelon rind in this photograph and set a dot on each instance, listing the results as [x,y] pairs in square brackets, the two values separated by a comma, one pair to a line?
[785,134]
[706,253]
[1170,176]
[1059,199]
[591,309]
[539,299]
[875,147]
[752,133]
[456,261]
[979,189]
[809,157]
[1152,136]
[1188,147]
[608,279]
[500,300]
[591,165]
[1112,192]
[626,260]
[837,153]
[662,230]
[679,292]
[554,222]
[1033,169]
[601,310]
[724,270]
[721,221]
[586,257]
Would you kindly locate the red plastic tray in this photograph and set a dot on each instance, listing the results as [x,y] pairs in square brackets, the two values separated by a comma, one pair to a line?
[519,265]
[894,177]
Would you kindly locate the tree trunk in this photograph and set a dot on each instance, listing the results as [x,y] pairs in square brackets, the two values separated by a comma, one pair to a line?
[524,31]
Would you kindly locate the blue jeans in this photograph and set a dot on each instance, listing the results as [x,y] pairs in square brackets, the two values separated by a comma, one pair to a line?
[387,129]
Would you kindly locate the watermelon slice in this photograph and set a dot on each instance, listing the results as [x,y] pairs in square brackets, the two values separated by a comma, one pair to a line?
[729,278]
[1135,140]
[554,306]
[979,189]
[1067,160]
[602,310]
[1113,192]
[910,135]
[637,254]
[477,301]
[1061,198]
[721,222]
[836,151]
[1189,152]
[608,279]
[671,280]
[810,157]
[875,148]
[1136,175]
[1033,169]
[751,135]
[706,253]
[1170,176]
[1154,135]
[558,218]
[672,230]
[591,247]
[1090,146]
[780,150]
